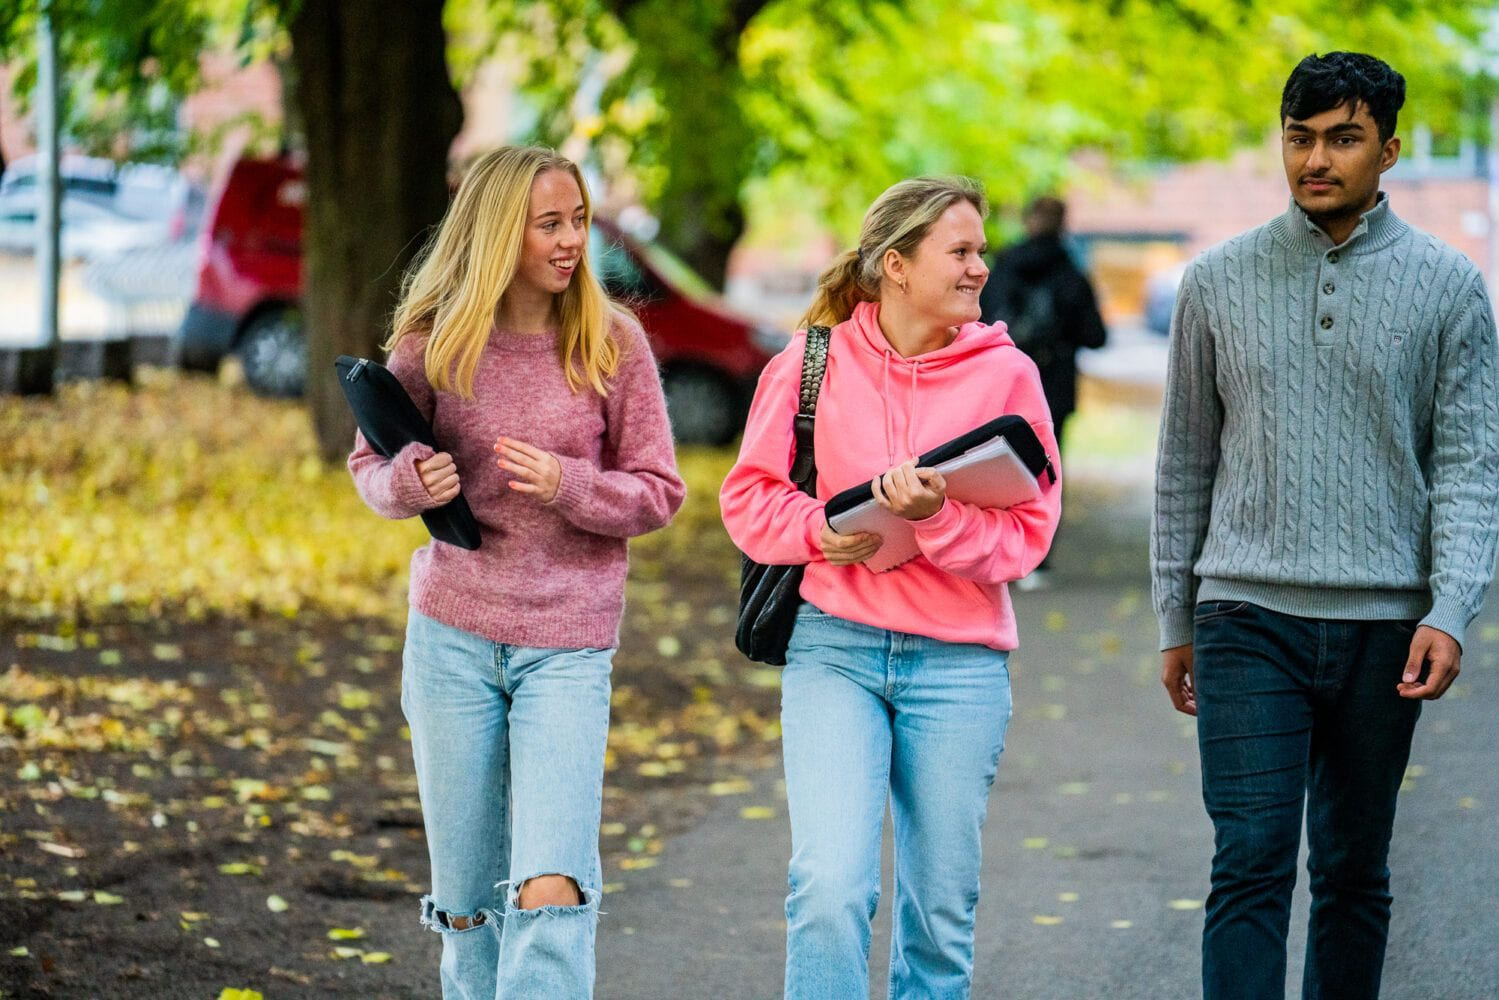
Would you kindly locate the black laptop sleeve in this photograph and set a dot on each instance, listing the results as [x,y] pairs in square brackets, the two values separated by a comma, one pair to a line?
[1016,431]
[390,421]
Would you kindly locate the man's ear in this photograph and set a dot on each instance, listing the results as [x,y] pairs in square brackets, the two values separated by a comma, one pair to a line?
[1390,154]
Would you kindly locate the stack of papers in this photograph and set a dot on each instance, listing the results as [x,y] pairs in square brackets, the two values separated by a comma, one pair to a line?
[989,474]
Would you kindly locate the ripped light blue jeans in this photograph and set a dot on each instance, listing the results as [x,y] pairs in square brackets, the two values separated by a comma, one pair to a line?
[871,716]
[509,749]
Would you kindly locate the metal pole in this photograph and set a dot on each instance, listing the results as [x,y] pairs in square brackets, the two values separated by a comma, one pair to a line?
[48,189]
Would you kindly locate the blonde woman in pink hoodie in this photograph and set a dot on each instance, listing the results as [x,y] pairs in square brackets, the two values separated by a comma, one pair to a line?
[896,684]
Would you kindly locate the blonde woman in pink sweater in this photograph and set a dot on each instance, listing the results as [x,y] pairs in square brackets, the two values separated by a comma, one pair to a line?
[896,685]
[547,400]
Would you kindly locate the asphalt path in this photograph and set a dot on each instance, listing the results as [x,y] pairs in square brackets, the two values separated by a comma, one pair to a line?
[1096,848]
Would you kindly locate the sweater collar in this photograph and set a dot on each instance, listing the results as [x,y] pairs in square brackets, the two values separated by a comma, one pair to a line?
[523,343]
[1377,228]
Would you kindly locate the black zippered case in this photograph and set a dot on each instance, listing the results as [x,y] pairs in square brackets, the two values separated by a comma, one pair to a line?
[1016,431]
[390,421]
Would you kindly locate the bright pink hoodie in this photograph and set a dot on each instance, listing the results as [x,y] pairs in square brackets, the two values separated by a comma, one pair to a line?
[876,411]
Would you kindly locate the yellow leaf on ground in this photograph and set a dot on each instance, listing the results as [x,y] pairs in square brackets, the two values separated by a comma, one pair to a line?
[375,957]
[757,812]
[1185,904]
[1045,921]
[345,933]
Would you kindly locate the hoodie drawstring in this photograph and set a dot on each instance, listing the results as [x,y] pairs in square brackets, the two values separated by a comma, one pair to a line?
[911,414]
[890,413]
[889,417]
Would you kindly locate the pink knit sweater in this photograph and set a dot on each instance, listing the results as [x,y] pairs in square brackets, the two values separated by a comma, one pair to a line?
[546,575]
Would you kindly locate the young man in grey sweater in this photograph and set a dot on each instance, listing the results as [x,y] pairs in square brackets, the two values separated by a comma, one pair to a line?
[1327,506]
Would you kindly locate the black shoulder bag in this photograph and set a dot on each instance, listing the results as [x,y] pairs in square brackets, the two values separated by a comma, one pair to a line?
[770,595]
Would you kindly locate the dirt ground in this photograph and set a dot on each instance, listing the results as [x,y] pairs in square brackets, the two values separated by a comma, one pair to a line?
[190,806]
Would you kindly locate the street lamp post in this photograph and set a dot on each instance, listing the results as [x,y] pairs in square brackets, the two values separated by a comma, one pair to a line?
[31,369]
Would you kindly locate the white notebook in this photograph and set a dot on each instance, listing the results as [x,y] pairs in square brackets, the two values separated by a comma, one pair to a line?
[987,475]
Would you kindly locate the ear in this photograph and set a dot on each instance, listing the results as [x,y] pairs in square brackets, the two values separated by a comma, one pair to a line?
[1389,154]
[894,266]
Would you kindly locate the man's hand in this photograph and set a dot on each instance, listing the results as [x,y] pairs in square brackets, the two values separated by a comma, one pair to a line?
[1442,658]
[846,550]
[1176,674]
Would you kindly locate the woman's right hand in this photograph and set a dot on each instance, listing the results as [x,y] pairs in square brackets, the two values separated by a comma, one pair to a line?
[847,550]
[440,476]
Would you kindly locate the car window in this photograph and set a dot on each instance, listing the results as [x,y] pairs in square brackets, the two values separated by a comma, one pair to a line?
[677,271]
[617,269]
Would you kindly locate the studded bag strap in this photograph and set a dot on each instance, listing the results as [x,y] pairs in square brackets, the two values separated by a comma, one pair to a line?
[814,366]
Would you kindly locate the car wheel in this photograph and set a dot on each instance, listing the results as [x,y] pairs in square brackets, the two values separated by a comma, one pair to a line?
[703,405]
[273,352]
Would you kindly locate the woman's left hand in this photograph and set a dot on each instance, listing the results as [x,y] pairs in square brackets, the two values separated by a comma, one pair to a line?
[536,472]
[912,493]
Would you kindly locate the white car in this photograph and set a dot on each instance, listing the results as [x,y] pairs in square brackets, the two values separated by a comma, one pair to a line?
[105,209]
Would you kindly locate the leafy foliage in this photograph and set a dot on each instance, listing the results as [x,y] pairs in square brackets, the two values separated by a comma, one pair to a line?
[126,64]
[1010,91]
[725,110]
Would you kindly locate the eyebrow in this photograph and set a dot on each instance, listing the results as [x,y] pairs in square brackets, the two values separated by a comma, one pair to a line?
[554,212]
[1339,129]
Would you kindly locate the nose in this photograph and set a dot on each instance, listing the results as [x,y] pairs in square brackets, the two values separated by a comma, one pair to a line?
[1318,159]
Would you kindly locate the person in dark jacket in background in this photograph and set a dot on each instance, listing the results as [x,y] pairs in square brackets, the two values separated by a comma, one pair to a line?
[1050,308]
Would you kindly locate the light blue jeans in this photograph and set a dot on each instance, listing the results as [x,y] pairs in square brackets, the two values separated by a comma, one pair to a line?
[509,748]
[867,715]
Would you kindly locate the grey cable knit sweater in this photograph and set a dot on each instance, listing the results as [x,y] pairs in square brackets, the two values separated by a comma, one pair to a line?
[1329,445]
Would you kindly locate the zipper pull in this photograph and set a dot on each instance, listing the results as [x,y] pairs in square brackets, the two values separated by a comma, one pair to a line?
[357,370]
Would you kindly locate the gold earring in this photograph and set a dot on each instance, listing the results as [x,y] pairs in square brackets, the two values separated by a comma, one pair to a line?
[903,286]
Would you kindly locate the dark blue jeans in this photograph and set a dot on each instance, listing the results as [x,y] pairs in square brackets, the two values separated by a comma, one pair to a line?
[1291,711]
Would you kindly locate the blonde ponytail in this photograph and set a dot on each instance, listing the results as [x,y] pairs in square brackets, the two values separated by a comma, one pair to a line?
[898,220]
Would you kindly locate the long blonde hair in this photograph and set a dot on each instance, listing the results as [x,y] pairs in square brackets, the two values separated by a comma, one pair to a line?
[898,220]
[451,292]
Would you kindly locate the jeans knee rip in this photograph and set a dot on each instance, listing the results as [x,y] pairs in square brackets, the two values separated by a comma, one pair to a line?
[443,921]
[591,898]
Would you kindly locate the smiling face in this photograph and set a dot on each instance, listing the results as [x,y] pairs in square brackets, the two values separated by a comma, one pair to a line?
[1333,161]
[944,276]
[556,233]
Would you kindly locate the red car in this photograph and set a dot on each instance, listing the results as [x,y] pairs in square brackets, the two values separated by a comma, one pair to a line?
[250,280]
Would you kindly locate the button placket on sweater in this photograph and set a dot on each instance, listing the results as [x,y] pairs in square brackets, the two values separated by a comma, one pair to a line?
[1331,313]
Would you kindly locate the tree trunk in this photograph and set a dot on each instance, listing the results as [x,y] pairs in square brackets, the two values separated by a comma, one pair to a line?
[692,51]
[379,112]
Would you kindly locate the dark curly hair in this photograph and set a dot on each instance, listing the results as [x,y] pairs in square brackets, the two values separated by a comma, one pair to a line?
[1321,83]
